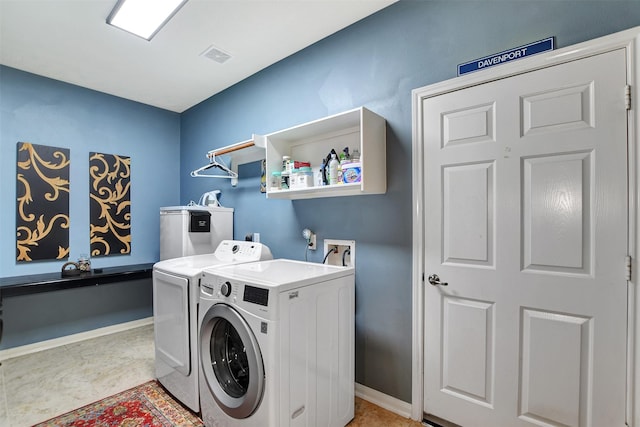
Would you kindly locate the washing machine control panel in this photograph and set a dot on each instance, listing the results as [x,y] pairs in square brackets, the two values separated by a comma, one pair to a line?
[255,295]
[254,299]
[225,288]
[217,287]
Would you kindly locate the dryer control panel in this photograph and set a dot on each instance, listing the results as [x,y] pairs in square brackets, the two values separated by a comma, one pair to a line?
[242,251]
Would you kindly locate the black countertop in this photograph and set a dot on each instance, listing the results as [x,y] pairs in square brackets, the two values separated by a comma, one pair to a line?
[37,283]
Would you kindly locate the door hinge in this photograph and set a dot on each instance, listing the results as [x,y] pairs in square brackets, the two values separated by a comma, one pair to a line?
[627,263]
[627,97]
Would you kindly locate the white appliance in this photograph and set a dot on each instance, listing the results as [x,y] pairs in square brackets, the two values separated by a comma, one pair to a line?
[175,300]
[193,230]
[277,345]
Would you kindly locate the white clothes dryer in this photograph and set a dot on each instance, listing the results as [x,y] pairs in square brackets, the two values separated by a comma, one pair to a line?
[277,345]
[175,299]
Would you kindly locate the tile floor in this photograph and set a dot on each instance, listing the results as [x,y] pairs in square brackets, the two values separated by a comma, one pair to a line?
[39,386]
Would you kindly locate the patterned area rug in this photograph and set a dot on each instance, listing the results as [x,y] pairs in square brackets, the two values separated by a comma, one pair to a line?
[147,405]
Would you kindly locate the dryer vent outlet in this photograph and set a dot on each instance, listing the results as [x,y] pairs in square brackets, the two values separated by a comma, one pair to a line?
[340,250]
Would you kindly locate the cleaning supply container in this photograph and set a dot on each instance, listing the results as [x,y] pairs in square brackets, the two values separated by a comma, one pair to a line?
[351,172]
[301,178]
[276,179]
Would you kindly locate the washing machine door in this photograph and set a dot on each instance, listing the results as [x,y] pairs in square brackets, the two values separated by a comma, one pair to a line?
[231,361]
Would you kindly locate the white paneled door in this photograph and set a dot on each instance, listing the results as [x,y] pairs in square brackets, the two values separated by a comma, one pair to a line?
[526,206]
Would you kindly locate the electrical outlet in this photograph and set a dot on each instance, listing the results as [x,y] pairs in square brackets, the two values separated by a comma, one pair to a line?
[310,237]
[342,250]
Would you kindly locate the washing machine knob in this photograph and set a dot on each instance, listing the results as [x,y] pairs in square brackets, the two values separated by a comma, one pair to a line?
[225,289]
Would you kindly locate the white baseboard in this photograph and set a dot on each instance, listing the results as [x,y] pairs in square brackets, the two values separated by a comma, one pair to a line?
[69,339]
[385,401]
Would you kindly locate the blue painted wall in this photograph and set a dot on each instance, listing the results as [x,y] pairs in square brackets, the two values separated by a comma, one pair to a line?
[375,63]
[49,112]
[33,318]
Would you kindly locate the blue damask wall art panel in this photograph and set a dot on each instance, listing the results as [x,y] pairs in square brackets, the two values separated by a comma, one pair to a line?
[110,204]
[42,208]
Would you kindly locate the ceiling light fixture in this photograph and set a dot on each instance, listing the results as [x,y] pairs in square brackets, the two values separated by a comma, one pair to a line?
[144,18]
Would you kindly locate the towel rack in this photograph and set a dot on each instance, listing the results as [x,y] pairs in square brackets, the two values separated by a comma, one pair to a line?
[238,153]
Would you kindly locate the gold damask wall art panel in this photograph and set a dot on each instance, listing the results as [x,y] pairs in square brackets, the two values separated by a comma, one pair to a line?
[110,205]
[42,208]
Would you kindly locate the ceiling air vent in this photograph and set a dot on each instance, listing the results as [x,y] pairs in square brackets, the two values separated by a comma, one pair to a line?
[216,54]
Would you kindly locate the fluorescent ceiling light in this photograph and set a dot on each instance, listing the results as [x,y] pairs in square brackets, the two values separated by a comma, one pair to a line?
[143,18]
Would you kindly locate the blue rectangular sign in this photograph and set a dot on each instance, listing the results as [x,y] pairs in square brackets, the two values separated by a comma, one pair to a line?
[506,56]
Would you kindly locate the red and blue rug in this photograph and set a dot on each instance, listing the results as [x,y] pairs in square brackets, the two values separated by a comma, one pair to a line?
[147,405]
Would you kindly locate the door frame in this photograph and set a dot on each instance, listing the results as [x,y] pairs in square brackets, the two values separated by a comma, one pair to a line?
[628,40]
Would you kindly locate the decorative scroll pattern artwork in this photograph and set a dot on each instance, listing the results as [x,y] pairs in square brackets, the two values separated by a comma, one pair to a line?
[110,205]
[42,208]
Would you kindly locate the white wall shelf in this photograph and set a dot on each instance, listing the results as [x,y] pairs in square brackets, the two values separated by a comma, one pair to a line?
[311,142]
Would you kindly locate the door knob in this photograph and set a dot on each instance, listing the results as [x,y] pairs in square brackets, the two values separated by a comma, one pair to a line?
[435,280]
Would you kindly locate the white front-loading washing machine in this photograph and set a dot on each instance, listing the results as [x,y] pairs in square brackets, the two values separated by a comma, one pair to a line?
[277,345]
[176,293]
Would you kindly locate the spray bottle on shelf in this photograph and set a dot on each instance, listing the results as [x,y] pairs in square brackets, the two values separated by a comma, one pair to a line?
[334,164]
[325,170]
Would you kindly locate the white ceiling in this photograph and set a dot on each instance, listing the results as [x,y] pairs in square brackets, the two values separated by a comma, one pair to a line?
[69,40]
